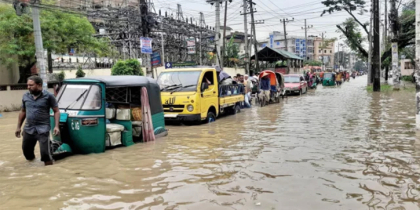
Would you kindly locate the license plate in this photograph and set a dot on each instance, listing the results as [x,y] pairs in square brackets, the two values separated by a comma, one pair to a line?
[171,115]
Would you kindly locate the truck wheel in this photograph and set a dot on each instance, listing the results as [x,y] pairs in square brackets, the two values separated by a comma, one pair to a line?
[236,109]
[211,117]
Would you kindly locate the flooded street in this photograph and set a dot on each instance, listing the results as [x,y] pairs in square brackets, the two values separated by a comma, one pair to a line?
[334,148]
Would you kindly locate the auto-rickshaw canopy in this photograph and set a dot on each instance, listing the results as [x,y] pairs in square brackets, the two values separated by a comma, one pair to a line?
[271,75]
[153,89]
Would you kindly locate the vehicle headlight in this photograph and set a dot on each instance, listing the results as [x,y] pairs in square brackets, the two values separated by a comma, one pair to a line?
[190,108]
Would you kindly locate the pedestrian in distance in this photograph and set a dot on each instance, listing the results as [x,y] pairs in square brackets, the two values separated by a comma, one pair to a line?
[36,105]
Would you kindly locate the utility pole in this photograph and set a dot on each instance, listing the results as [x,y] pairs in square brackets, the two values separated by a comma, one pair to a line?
[284,21]
[417,74]
[246,36]
[386,36]
[257,65]
[202,25]
[376,70]
[370,78]
[338,57]
[224,39]
[39,46]
[306,39]
[163,49]
[322,50]
[394,45]
[217,39]
[144,10]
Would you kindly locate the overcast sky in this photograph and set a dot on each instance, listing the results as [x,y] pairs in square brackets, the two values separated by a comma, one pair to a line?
[271,11]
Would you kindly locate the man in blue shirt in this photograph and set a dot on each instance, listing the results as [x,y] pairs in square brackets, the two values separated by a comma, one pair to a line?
[265,87]
[36,105]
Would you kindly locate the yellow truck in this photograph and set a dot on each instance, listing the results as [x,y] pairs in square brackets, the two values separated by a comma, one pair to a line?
[194,95]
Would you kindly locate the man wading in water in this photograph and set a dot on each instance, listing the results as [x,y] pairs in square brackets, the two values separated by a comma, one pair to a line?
[36,105]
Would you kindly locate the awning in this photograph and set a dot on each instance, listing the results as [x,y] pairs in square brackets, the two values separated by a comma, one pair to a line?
[271,55]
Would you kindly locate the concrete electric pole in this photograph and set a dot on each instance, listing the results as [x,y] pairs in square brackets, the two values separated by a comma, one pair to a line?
[39,46]
[394,45]
[306,39]
[417,74]
[376,70]
[246,36]
[224,38]
[257,64]
[284,21]
[370,78]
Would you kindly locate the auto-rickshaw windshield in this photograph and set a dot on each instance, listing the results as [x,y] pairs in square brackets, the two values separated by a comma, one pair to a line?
[289,79]
[327,76]
[80,97]
[176,79]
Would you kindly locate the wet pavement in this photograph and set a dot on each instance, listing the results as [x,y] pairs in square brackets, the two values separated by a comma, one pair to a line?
[334,148]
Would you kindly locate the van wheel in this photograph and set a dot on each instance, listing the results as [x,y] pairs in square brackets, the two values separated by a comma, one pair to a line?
[211,117]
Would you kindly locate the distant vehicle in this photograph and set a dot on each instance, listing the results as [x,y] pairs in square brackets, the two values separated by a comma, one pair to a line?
[328,79]
[295,83]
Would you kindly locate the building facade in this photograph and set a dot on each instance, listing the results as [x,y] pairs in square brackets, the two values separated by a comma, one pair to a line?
[295,44]
[324,51]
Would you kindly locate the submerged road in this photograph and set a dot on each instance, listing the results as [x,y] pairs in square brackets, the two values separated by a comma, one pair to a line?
[334,148]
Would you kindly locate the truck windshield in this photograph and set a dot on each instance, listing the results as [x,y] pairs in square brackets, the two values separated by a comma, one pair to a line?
[291,79]
[89,97]
[168,81]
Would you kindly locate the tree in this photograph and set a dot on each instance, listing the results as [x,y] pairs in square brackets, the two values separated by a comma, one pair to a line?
[127,67]
[60,31]
[360,66]
[80,72]
[354,7]
[312,63]
[231,53]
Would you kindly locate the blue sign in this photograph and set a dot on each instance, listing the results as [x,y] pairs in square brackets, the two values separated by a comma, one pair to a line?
[156,60]
[300,48]
[168,65]
[146,45]
[271,40]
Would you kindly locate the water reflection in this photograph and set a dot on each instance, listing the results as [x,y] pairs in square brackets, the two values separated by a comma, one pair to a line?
[335,148]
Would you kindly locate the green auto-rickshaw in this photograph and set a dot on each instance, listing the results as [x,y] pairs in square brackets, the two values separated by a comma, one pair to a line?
[328,79]
[106,111]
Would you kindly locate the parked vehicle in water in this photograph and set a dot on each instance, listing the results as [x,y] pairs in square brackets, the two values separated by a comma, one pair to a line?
[295,83]
[328,79]
[194,95]
[106,111]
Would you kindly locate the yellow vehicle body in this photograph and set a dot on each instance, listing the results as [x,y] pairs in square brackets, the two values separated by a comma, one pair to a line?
[196,104]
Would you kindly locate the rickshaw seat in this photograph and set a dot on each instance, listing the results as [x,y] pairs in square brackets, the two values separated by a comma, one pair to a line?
[113,134]
[110,113]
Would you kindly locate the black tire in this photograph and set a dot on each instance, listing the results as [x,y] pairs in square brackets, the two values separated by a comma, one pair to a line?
[211,117]
[236,109]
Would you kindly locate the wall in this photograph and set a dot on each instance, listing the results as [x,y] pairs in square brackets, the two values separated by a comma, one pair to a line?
[9,75]
[12,99]
[106,72]
[406,67]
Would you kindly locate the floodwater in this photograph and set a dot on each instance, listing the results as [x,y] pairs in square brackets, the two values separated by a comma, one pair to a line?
[334,148]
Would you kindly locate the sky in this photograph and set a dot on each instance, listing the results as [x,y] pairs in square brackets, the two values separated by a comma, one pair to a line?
[271,11]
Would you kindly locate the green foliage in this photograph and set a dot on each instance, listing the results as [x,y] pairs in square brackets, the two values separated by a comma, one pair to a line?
[231,53]
[61,76]
[312,63]
[407,78]
[360,66]
[127,67]
[60,31]
[80,72]
[353,36]
[384,88]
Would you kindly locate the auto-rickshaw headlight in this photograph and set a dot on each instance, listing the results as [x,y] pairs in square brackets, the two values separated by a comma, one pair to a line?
[190,108]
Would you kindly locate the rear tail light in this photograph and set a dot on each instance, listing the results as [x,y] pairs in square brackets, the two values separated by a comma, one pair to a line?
[90,122]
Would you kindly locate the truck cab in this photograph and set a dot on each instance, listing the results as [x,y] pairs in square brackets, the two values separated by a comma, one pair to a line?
[195,95]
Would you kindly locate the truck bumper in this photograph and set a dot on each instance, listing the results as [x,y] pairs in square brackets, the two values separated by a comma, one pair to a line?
[183,117]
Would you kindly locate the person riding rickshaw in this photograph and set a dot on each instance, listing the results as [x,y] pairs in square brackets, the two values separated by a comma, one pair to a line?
[269,87]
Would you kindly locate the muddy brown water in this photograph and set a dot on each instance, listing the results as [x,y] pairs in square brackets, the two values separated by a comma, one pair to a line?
[334,148]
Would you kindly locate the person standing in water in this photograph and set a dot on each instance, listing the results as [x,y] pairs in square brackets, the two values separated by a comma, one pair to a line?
[36,105]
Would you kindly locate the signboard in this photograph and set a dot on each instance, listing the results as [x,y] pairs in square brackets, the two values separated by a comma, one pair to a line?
[191,45]
[146,45]
[156,60]
[300,48]
[271,40]
[185,64]
[72,51]
[168,65]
